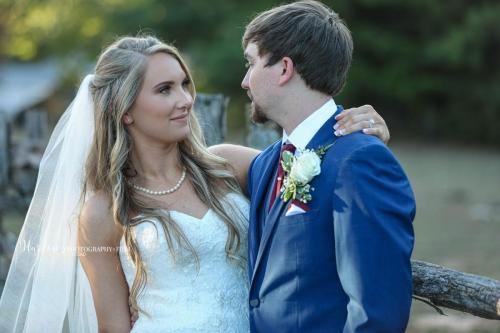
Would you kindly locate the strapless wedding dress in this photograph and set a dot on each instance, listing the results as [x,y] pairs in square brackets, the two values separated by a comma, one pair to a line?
[181,297]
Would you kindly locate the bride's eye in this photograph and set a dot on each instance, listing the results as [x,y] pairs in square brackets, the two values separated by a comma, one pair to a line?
[164,90]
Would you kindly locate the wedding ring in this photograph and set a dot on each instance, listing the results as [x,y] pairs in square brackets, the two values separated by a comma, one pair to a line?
[371,122]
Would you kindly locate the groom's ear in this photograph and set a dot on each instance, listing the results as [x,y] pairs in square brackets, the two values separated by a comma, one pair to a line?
[287,70]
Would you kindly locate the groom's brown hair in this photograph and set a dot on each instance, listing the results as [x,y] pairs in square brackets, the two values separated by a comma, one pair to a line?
[312,35]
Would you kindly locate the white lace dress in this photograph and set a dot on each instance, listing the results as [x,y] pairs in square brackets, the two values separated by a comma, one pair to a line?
[181,297]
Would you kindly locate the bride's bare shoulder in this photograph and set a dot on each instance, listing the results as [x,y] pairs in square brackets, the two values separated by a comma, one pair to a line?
[96,222]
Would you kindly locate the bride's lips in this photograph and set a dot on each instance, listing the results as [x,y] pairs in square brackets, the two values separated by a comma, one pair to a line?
[182,117]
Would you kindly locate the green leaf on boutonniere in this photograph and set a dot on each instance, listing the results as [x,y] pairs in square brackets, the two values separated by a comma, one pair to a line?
[287,161]
[290,191]
[287,195]
[322,150]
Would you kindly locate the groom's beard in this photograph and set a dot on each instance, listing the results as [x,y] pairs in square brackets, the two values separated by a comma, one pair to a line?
[258,116]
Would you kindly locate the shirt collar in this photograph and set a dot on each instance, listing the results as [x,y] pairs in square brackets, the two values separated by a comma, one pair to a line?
[305,131]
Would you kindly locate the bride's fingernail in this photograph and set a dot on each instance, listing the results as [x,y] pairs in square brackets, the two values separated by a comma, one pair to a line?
[339,133]
[336,126]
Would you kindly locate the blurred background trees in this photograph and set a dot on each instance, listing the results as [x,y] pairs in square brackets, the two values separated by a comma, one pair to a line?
[430,67]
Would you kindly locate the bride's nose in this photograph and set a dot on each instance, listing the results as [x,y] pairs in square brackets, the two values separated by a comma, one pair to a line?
[185,100]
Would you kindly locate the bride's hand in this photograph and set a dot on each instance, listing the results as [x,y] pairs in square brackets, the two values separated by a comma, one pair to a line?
[363,118]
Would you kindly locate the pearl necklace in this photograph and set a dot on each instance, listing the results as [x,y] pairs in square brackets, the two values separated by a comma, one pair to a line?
[170,190]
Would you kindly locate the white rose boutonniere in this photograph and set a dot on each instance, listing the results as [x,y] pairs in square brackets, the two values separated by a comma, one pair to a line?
[299,171]
[306,167]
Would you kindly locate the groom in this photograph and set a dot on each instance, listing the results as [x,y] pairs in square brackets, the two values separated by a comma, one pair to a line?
[331,234]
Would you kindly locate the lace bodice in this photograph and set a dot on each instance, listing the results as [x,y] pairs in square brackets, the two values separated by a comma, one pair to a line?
[180,296]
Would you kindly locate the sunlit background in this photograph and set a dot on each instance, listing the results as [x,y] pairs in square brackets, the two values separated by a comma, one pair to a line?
[431,68]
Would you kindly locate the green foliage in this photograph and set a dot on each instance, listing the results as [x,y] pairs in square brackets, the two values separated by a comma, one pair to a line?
[287,161]
[430,67]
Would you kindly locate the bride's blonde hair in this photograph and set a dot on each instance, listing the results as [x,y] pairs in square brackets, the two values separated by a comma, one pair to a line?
[119,74]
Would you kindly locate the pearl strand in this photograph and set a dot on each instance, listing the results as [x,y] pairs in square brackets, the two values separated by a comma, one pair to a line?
[170,190]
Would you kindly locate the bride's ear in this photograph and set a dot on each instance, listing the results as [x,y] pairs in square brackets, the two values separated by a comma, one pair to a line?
[287,70]
[127,119]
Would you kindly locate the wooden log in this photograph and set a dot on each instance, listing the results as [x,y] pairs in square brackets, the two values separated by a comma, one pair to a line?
[474,294]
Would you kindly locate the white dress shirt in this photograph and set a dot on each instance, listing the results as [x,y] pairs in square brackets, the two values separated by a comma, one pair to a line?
[307,129]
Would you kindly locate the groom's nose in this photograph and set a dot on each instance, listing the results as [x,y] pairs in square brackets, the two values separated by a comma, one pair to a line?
[244,83]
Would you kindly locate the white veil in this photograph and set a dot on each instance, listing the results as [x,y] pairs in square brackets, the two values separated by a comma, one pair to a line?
[47,289]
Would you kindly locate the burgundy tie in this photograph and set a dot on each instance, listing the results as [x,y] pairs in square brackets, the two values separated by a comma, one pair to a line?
[279,179]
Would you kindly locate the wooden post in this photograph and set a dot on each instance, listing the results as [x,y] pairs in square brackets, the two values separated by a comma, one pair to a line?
[4,153]
[260,136]
[28,151]
[6,239]
[211,113]
[4,160]
[7,246]
[36,125]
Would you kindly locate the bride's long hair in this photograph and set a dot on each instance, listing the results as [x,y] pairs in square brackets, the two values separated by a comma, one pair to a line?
[119,74]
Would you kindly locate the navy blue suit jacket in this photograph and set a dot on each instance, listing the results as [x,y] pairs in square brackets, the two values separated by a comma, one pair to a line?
[343,266]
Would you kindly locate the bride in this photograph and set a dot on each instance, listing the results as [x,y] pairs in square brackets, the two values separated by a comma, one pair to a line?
[132,210]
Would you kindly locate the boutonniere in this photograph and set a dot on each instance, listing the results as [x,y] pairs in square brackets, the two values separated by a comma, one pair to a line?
[299,171]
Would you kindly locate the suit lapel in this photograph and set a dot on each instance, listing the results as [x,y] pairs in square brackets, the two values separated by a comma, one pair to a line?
[324,136]
[271,220]
[259,201]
